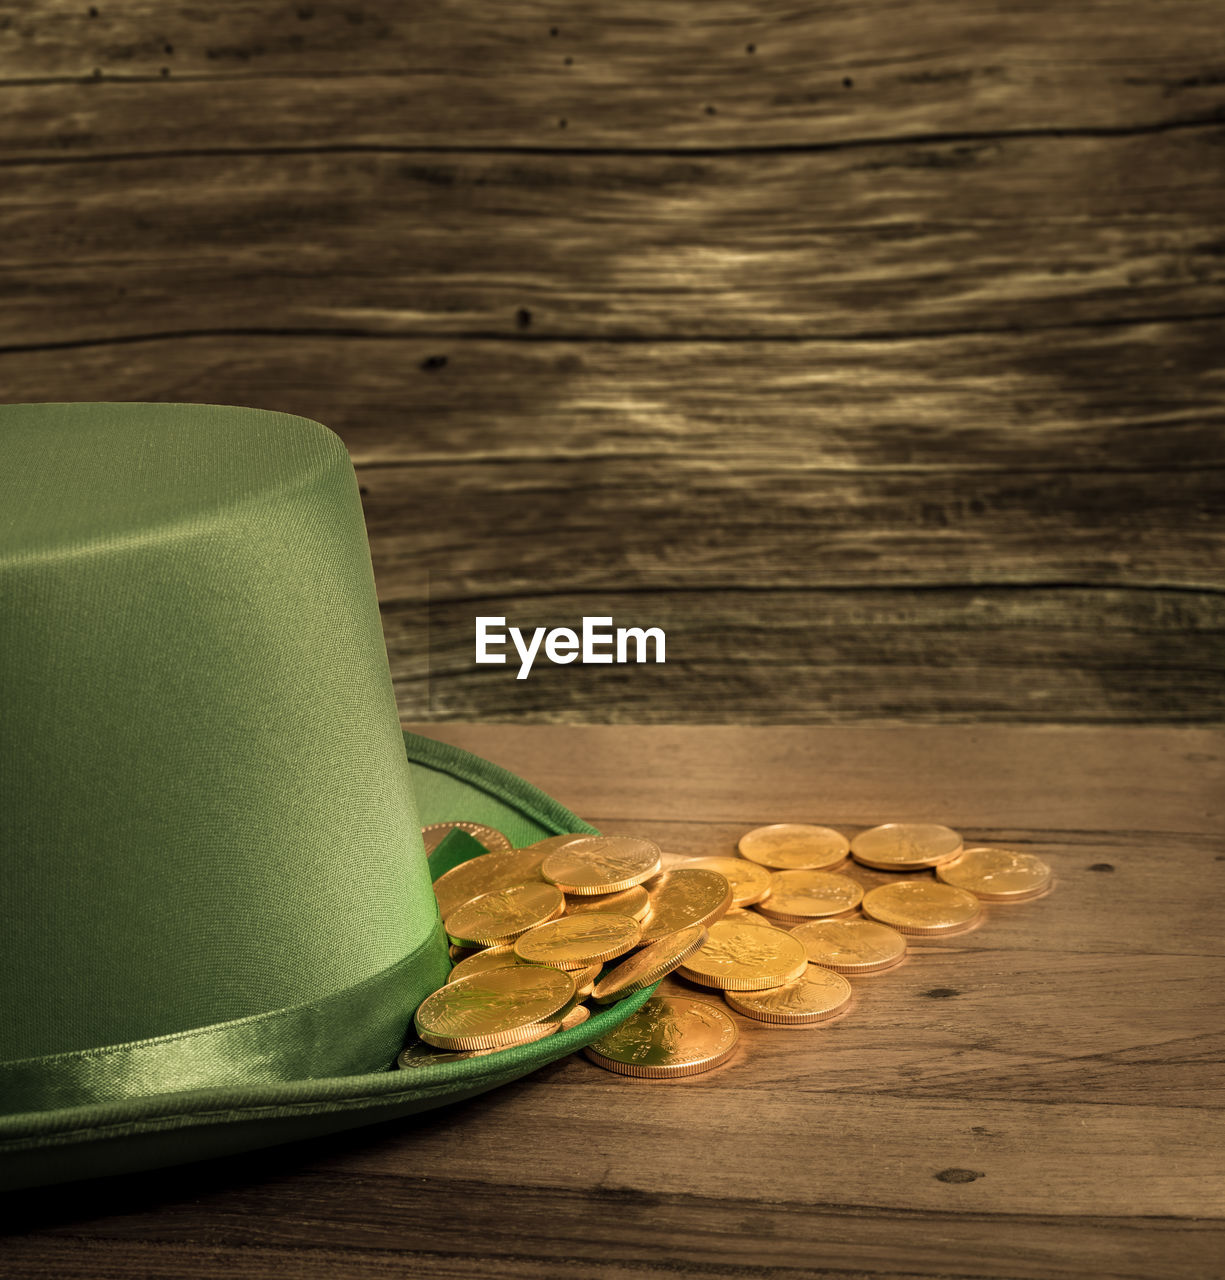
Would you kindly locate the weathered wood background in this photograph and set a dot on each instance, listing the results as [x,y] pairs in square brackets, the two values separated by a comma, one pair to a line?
[875,350]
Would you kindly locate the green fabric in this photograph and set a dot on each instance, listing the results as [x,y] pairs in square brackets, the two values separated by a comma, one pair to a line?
[218,908]
[199,744]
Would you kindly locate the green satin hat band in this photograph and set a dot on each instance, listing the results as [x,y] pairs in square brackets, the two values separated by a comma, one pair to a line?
[341,1034]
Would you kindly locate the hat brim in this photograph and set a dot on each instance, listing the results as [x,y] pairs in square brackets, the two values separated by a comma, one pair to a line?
[160,1129]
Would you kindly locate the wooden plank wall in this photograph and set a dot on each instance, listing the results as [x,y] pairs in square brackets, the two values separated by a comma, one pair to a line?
[875,350]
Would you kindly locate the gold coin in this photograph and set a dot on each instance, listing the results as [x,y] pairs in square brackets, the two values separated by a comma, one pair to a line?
[818,995]
[461,953]
[751,917]
[494,1009]
[997,875]
[922,907]
[794,846]
[499,957]
[575,1018]
[503,915]
[549,843]
[683,897]
[436,832]
[646,967]
[749,880]
[584,980]
[600,864]
[851,946]
[484,874]
[669,1036]
[576,942]
[634,901]
[796,896]
[905,846]
[419,1054]
[745,957]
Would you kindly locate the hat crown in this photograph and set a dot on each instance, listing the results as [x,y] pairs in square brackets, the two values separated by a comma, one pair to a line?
[206,810]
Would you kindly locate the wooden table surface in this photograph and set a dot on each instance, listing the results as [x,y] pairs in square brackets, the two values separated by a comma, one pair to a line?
[1039,1098]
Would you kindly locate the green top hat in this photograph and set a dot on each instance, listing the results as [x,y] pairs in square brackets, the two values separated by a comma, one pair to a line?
[218,913]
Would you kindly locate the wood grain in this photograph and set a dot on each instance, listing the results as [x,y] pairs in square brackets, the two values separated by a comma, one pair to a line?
[992,235]
[890,384]
[1038,1098]
[81,80]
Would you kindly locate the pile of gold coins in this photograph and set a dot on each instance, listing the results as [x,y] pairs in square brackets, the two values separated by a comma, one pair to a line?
[537,932]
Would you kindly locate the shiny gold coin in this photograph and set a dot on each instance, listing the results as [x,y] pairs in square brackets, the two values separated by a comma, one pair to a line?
[437,832]
[584,980]
[905,846]
[499,957]
[503,915]
[922,907]
[669,1036]
[601,864]
[749,880]
[494,1009]
[797,896]
[751,917]
[794,846]
[485,874]
[683,897]
[851,946]
[576,942]
[820,994]
[997,875]
[575,1018]
[634,902]
[745,957]
[549,843]
[418,1054]
[646,967]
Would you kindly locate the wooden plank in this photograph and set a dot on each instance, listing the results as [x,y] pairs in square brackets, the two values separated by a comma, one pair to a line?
[143,76]
[548,1236]
[1038,1099]
[1130,398]
[769,1134]
[988,781]
[902,239]
[762,656]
